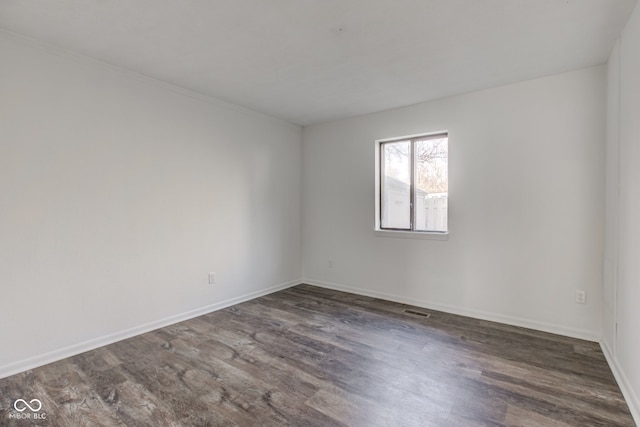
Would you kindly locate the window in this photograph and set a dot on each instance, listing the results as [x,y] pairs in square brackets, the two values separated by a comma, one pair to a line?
[414,184]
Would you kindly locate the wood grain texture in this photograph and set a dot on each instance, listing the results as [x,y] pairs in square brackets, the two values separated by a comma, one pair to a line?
[308,356]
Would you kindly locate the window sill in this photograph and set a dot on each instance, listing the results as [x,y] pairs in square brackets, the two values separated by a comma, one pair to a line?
[421,235]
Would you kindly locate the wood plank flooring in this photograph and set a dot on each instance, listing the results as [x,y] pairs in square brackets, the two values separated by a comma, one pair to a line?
[308,356]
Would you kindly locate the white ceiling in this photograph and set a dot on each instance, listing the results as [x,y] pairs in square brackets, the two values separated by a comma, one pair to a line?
[310,61]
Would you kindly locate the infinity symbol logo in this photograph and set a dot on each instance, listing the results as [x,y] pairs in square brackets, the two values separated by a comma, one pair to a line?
[26,405]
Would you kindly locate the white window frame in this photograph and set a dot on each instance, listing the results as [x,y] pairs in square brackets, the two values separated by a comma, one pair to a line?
[406,234]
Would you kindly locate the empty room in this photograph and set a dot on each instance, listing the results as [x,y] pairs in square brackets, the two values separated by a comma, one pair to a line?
[320,213]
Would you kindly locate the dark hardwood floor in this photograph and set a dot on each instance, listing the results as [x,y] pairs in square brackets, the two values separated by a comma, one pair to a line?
[307,356]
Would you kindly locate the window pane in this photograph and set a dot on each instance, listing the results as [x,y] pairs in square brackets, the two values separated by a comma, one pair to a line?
[432,184]
[395,185]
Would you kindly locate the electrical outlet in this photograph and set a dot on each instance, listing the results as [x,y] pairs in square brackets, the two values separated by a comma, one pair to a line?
[581,297]
[212,278]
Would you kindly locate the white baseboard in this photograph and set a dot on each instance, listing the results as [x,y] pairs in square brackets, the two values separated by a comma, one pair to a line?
[623,382]
[72,350]
[462,311]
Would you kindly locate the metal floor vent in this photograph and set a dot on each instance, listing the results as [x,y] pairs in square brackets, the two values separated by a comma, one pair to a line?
[418,313]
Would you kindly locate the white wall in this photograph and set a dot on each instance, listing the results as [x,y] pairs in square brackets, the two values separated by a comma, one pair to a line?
[119,194]
[526,205]
[623,213]
[611,198]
